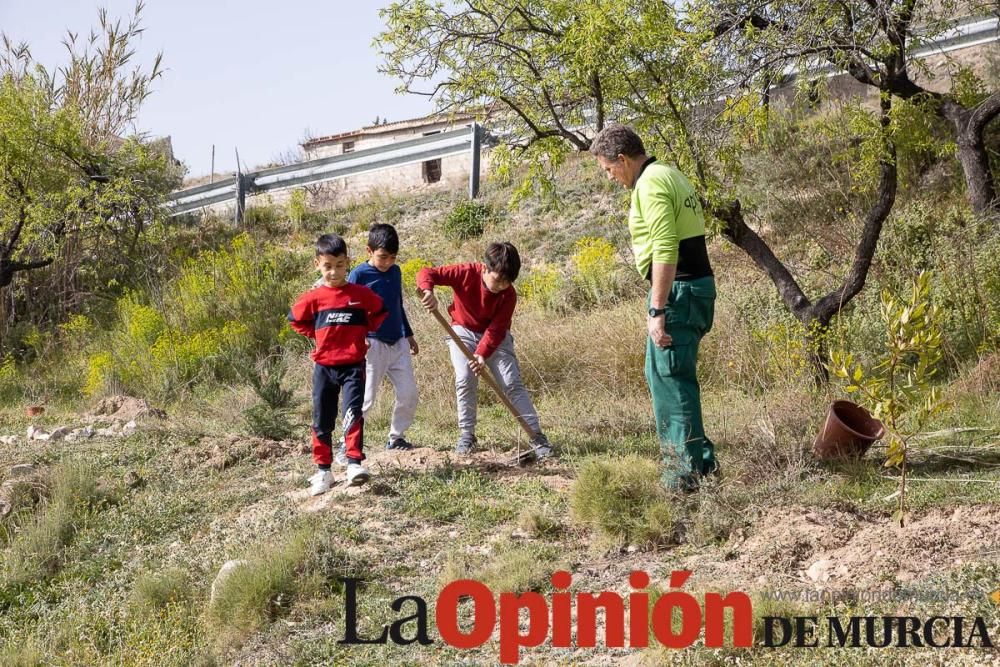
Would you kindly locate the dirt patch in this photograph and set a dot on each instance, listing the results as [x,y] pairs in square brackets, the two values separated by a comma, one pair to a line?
[221,453]
[426,460]
[836,549]
[124,409]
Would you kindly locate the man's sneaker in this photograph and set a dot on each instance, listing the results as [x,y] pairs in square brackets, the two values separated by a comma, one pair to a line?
[465,445]
[341,457]
[356,474]
[399,443]
[320,482]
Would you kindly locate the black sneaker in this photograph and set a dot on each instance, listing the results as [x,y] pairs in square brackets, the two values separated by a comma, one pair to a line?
[399,443]
[542,447]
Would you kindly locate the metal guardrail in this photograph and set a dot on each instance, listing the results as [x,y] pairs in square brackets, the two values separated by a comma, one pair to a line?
[967,33]
[396,154]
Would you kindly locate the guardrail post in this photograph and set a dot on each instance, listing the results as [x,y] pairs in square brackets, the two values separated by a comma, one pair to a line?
[474,166]
[241,197]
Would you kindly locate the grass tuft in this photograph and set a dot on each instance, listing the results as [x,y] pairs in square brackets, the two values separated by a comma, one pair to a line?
[624,500]
[36,552]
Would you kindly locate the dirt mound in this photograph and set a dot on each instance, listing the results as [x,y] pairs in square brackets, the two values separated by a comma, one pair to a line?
[124,409]
[838,549]
[222,453]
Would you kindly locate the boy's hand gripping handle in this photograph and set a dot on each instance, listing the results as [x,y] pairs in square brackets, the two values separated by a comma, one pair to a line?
[486,372]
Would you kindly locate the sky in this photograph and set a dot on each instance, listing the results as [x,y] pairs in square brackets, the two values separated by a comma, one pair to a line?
[251,75]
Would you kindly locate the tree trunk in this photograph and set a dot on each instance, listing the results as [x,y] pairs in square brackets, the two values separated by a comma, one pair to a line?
[819,355]
[969,129]
[816,316]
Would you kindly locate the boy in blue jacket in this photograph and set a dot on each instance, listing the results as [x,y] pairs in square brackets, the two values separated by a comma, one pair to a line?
[392,345]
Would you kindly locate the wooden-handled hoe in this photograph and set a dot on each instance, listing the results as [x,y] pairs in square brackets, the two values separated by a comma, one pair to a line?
[522,458]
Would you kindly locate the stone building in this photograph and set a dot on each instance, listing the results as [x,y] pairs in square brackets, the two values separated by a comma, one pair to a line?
[450,172]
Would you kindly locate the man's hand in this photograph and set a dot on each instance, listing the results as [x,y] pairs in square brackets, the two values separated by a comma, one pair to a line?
[414,348]
[429,301]
[477,364]
[657,332]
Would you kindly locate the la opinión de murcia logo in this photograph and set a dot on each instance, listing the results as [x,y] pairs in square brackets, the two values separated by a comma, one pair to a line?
[551,618]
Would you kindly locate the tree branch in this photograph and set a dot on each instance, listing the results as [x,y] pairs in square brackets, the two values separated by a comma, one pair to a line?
[742,236]
[984,112]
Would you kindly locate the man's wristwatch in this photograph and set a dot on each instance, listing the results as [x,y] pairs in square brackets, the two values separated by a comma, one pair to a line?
[656,312]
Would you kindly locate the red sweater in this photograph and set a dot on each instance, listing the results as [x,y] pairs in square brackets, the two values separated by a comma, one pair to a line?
[339,318]
[474,307]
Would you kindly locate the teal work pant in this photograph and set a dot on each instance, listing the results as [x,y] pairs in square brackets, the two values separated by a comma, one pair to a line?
[673,383]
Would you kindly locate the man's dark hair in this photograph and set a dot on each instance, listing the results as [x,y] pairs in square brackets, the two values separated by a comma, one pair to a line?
[330,244]
[502,258]
[617,139]
[383,236]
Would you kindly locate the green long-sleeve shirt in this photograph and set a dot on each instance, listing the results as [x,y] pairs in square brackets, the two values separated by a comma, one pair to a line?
[666,222]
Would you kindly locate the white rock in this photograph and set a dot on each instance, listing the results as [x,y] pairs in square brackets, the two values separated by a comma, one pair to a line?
[106,432]
[31,432]
[129,428]
[86,432]
[8,439]
[40,435]
[224,573]
[820,570]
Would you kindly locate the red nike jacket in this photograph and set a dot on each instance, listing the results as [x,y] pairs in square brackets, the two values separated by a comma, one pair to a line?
[339,318]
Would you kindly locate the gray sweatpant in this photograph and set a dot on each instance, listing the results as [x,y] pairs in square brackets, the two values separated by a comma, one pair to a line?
[503,365]
[392,361]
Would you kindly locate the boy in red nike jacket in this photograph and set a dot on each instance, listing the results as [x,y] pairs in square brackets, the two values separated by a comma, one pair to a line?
[481,314]
[339,315]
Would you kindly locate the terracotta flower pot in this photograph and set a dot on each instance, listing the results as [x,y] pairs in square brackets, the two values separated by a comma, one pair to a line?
[849,430]
[35,410]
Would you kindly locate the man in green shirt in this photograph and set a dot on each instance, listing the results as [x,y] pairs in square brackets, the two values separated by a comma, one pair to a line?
[668,240]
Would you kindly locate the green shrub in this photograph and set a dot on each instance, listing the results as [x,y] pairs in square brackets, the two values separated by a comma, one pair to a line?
[516,568]
[11,381]
[513,567]
[467,220]
[409,269]
[263,217]
[624,500]
[542,287]
[596,272]
[264,421]
[296,208]
[223,306]
[269,418]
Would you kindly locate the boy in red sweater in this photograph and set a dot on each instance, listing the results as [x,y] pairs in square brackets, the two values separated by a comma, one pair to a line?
[481,314]
[339,315]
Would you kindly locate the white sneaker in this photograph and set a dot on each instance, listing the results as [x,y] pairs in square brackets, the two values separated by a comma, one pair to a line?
[320,482]
[356,474]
